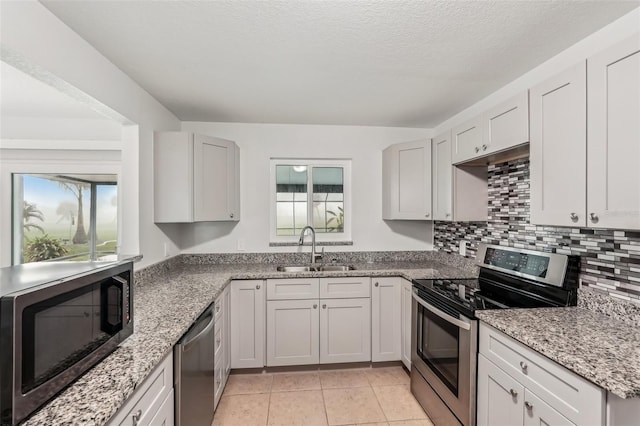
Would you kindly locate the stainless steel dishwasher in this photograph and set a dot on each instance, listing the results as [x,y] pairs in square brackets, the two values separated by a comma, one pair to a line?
[194,379]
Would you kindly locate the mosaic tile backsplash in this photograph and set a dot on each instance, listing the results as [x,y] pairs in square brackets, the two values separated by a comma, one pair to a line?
[610,258]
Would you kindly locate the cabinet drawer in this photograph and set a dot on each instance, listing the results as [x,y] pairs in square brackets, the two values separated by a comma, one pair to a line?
[572,396]
[148,398]
[293,288]
[345,287]
[218,308]
[218,377]
[218,344]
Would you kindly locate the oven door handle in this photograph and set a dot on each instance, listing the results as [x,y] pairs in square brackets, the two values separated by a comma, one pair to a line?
[438,312]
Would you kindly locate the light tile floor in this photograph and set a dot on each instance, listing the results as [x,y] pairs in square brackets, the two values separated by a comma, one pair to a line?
[374,396]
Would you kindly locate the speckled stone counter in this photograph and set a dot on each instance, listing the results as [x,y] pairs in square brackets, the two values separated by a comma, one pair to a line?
[597,347]
[167,300]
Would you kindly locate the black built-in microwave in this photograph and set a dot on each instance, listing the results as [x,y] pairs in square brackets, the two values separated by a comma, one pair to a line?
[57,320]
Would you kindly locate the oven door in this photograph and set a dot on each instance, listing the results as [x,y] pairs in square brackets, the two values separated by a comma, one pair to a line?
[444,345]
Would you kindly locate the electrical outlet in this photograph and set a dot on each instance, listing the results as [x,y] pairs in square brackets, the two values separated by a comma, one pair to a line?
[167,252]
[462,249]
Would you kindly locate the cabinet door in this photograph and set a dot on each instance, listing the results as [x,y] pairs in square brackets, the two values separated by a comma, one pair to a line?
[558,149]
[500,397]
[226,336]
[172,177]
[214,179]
[165,414]
[406,323]
[613,182]
[247,323]
[538,413]
[467,140]
[442,175]
[406,174]
[507,125]
[345,330]
[292,332]
[386,318]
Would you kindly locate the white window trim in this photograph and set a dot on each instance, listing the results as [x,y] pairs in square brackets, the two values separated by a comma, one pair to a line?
[51,161]
[345,163]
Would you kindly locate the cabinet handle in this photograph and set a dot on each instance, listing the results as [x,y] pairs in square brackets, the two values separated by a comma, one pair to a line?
[524,366]
[218,341]
[231,215]
[258,287]
[477,149]
[574,217]
[376,284]
[217,308]
[315,306]
[324,306]
[447,215]
[513,393]
[484,147]
[594,217]
[426,215]
[136,417]
[528,405]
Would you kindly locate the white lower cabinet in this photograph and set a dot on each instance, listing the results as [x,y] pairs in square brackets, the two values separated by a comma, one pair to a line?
[518,386]
[331,328]
[386,319]
[345,330]
[407,303]
[222,350]
[152,402]
[292,332]
[247,324]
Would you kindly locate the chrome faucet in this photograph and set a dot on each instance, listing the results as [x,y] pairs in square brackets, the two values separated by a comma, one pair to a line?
[314,255]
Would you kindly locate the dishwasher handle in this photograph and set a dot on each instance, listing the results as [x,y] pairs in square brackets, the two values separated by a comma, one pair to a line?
[188,343]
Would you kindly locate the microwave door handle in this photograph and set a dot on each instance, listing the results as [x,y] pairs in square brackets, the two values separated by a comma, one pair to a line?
[461,324]
[123,300]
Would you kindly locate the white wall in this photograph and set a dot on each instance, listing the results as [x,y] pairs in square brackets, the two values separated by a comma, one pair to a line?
[37,42]
[59,129]
[626,26]
[260,142]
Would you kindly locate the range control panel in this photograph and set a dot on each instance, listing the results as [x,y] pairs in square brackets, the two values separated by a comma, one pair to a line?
[549,268]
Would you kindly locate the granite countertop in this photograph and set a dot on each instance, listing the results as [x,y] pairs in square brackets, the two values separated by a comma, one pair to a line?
[597,347]
[164,309]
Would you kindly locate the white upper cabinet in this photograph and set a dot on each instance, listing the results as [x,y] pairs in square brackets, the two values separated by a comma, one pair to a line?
[506,125]
[467,140]
[442,176]
[558,149]
[406,181]
[613,147]
[196,178]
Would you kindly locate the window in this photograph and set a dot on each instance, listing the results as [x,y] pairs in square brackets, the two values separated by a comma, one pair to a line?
[64,217]
[310,192]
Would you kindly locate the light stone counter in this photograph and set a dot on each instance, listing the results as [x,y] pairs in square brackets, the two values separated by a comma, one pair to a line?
[167,300]
[602,349]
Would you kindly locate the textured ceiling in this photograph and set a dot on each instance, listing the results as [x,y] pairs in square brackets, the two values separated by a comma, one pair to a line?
[25,96]
[386,63]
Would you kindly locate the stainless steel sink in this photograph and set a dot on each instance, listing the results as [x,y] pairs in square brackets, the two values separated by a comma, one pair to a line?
[295,268]
[341,268]
[314,268]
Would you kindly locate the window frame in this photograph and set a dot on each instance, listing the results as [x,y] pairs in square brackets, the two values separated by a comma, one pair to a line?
[336,237]
[31,161]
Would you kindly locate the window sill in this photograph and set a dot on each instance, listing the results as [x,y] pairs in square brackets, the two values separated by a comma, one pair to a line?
[318,243]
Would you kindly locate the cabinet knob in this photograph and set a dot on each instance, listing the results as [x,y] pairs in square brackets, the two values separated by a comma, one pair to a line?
[574,217]
[258,287]
[324,306]
[447,215]
[427,215]
[136,417]
[231,215]
[484,147]
[315,306]
[376,284]
[513,393]
[528,405]
[477,149]
[594,217]
[524,366]
[218,341]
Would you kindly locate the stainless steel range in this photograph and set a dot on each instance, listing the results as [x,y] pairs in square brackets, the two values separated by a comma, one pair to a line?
[445,329]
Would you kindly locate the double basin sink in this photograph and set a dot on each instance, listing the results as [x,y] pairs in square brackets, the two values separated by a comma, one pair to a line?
[315,268]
